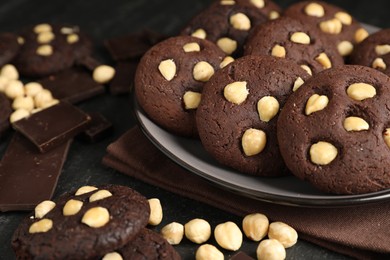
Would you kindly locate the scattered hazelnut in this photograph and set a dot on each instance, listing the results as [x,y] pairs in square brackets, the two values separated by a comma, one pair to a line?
[344,17]
[354,123]
[298,83]
[258,3]
[208,252]
[360,35]
[72,38]
[197,230]
[103,74]
[99,195]
[315,9]
[324,60]
[278,51]
[226,61]
[382,49]
[255,226]
[45,37]
[332,26]
[284,233]
[345,48]
[228,235]
[307,69]
[173,233]
[300,38]
[386,137]
[379,63]
[156,212]
[18,114]
[271,249]
[273,15]
[43,27]
[10,72]
[45,50]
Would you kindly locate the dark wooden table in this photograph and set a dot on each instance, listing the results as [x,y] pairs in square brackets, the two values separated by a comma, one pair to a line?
[105,19]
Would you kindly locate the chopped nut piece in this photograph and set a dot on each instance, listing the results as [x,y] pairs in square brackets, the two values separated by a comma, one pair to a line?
[72,207]
[300,37]
[323,153]
[85,189]
[354,123]
[43,208]
[45,37]
[99,195]
[41,226]
[240,21]
[324,60]
[167,69]
[191,47]
[258,3]
[18,114]
[345,48]
[203,71]
[344,17]
[382,49]
[45,50]
[191,100]
[298,83]
[314,9]
[316,103]
[227,2]
[360,35]
[278,51]
[333,26]
[307,68]
[236,92]
[267,107]
[96,217]
[200,33]
[361,91]
[227,45]
[253,141]
[226,61]
[103,74]
[379,63]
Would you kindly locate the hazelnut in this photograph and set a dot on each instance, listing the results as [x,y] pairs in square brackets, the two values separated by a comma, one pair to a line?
[42,98]
[45,50]
[253,141]
[344,18]
[316,103]
[267,108]
[32,88]
[43,27]
[323,153]
[191,47]
[96,217]
[236,92]
[191,99]
[271,249]
[72,38]
[361,91]
[255,226]
[72,207]
[85,189]
[103,74]
[199,33]
[112,256]
[273,15]
[208,252]
[240,21]
[18,114]
[14,89]
[284,233]
[298,83]
[99,195]
[43,208]
[382,49]
[203,71]
[379,63]
[156,212]
[167,69]
[173,233]
[23,102]
[258,3]
[197,230]
[45,37]
[360,35]
[227,45]
[278,51]
[228,235]
[41,226]
[345,48]
[10,72]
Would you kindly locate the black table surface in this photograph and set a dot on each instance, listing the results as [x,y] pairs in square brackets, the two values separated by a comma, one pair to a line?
[105,19]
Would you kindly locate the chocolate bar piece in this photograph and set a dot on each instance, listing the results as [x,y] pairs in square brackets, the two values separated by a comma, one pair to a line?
[72,85]
[28,177]
[132,46]
[97,129]
[241,256]
[123,81]
[53,126]
[88,62]
[5,112]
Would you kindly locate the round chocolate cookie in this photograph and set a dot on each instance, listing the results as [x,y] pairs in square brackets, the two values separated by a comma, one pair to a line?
[9,47]
[170,78]
[227,24]
[147,245]
[5,112]
[289,38]
[83,224]
[334,22]
[239,109]
[49,48]
[334,132]
[374,52]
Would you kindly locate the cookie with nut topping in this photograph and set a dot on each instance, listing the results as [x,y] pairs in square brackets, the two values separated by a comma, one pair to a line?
[374,52]
[170,78]
[50,48]
[332,21]
[293,39]
[83,224]
[238,112]
[334,132]
[227,24]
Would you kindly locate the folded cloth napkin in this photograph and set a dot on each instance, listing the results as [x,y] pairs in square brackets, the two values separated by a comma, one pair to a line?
[362,232]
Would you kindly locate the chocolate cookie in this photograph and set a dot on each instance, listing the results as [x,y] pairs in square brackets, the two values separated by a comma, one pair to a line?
[227,24]
[5,112]
[294,39]
[147,245]
[48,49]
[170,78]
[334,22]
[334,131]
[9,47]
[374,52]
[82,225]
[239,109]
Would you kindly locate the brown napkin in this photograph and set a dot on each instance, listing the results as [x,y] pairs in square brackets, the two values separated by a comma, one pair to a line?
[360,231]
